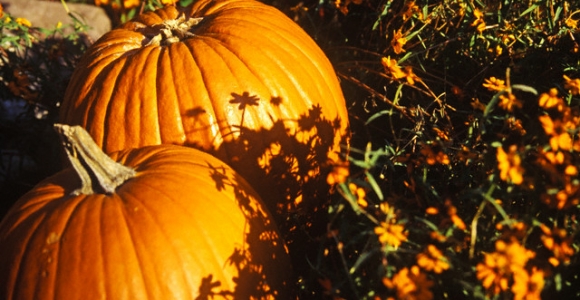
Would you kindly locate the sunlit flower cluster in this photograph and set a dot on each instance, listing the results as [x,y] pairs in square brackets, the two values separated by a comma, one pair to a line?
[509,165]
[410,283]
[432,259]
[391,67]
[389,232]
[505,265]
[479,22]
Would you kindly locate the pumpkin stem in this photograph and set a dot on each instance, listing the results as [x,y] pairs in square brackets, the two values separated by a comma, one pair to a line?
[171,31]
[99,173]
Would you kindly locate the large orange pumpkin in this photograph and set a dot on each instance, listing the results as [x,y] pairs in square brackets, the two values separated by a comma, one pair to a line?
[160,222]
[203,76]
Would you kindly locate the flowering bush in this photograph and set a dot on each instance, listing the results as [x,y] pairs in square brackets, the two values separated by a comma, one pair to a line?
[463,178]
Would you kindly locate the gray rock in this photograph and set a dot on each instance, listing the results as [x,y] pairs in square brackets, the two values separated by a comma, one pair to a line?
[47,14]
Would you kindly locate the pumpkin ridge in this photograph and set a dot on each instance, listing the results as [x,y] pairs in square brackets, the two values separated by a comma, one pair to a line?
[139,256]
[21,262]
[297,54]
[114,107]
[92,99]
[73,205]
[158,223]
[221,126]
[169,110]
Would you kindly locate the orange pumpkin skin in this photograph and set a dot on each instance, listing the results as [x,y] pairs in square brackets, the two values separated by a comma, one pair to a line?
[245,67]
[185,226]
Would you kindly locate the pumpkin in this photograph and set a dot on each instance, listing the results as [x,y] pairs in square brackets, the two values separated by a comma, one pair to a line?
[204,76]
[198,74]
[158,222]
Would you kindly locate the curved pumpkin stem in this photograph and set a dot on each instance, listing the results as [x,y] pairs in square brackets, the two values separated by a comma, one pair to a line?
[171,31]
[98,172]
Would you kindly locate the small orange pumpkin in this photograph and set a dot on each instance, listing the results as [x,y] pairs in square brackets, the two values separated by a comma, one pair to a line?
[160,222]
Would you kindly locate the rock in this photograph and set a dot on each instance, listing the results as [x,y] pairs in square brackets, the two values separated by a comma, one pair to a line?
[46,14]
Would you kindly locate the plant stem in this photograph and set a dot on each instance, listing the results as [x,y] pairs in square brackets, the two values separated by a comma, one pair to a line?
[99,173]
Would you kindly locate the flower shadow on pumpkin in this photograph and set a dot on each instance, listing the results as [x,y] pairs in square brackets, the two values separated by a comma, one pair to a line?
[287,164]
[257,262]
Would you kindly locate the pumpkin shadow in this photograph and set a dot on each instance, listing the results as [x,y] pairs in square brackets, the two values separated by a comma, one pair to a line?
[287,164]
[258,260]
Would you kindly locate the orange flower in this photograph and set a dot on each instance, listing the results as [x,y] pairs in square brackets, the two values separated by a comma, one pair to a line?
[528,286]
[551,99]
[557,241]
[494,84]
[507,101]
[509,165]
[452,212]
[560,138]
[410,9]
[499,266]
[434,158]
[360,194]
[410,284]
[565,198]
[478,23]
[101,2]
[393,68]
[167,2]
[476,104]
[398,42]
[391,234]
[432,260]
[573,85]
[339,174]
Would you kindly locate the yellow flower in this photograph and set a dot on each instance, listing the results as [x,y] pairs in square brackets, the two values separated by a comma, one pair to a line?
[550,99]
[573,24]
[410,284]
[508,101]
[391,234]
[573,85]
[494,84]
[128,4]
[528,286]
[432,260]
[167,2]
[398,42]
[23,22]
[509,165]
